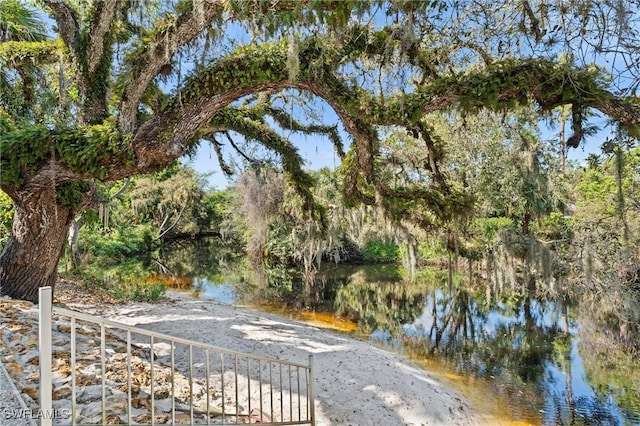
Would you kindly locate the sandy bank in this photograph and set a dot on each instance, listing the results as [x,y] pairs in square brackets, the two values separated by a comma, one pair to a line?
[355,383]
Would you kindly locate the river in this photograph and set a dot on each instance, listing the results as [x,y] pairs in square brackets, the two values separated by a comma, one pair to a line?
[519,353]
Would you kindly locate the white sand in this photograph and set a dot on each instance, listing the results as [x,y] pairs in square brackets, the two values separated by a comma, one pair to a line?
[356,383]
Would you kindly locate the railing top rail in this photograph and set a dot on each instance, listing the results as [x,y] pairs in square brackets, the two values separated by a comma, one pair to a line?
[110,323]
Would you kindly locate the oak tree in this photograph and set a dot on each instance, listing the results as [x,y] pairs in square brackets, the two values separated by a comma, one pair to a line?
[122,88]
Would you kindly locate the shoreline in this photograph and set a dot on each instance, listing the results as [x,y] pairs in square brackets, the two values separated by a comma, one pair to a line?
[355,382]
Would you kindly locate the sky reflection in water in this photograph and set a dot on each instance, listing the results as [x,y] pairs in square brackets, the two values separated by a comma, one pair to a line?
[527,346]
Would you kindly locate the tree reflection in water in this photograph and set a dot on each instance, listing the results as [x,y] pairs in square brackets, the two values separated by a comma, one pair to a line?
[569,360]
[518,338]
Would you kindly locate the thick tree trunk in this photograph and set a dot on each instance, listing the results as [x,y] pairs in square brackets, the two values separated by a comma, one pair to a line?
[30,258]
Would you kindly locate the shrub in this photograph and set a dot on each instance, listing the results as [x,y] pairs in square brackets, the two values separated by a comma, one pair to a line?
[137,291]
[432,250]
[380,251]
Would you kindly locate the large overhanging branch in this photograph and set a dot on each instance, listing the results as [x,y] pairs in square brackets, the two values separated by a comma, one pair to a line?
[499,86]
[169,134]
[286,121]
[258,68]
[251,125]
[153,57]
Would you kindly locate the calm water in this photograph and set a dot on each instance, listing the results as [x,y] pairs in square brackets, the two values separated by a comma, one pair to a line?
[543,360]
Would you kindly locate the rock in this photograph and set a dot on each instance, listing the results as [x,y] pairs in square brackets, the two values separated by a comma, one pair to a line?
[59,381]
[118,392]
[161,419]
[116,404]
[34,377]
[14,369]
[161,394]
[85,379]
[32,392]
[183,419]
[92,410]
[15,326]
[144,418]
[31,357]
[61,369]
[96,419]
[20,354]
[86,330]
[91,393]
[141,403]
[93,370]
[113,419]
[63,328]
[62,392]
[31,341]
[163,405]
[124,387]
[28,400]
[62,404]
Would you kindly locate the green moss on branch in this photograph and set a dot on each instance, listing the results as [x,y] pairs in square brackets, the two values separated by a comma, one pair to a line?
[250,66]
[85,150]
[33,53]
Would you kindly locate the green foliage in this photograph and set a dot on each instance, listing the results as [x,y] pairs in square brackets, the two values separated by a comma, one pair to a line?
[380,251]
[19,22]
[251,65]
[220,215]
[171,201]
[143,220]
[71,194]
[546,81]
[137,292]
[84,149]
[431,250]
[554,226]
[605,223]
[598,188]
[436,276]
[279,245]
[126,278]
[275,226]
[6,217]
[117,244]
[486,228]
[611,368]
[380,301]
[13,53]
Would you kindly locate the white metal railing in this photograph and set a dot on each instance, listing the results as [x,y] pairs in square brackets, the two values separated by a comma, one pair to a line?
[236,387]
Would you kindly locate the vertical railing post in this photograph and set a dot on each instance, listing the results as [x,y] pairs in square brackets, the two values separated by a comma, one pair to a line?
[311,400]
[44,336]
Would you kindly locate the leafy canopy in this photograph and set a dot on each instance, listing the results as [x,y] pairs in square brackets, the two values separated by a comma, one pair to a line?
[125,88]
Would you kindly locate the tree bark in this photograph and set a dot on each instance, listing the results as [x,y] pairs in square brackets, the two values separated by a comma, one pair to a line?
[30,258]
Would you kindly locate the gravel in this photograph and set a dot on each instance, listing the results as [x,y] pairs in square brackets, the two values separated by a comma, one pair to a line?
[13,410]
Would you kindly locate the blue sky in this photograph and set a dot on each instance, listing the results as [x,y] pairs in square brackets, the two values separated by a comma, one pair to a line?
[319,152]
